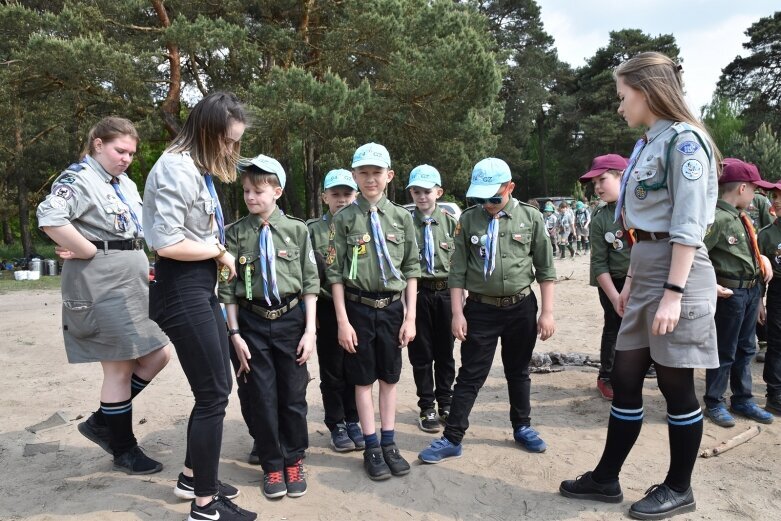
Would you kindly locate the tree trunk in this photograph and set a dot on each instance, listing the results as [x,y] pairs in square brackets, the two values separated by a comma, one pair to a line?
[541,138]
[8,234]
[172,103]
[312,181]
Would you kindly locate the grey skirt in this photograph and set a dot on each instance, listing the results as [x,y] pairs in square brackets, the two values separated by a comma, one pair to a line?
[692,343]
[105,308]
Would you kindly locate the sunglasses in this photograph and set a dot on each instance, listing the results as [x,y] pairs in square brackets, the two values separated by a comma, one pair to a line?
[497,199]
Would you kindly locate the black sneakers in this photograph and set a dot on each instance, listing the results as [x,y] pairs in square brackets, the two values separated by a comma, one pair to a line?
[97,432]
[185,488]
[428,421]
[222,509]
[444,412]
[395,461]
[295,480]
[584,487]
[661,501]
[773,404]
[374,463]
[135,461]
[274,484]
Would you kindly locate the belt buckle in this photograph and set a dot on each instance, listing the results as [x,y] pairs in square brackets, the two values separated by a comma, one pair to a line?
[439,285]
[381,303]
[138,244]
[275,314]
[505,301]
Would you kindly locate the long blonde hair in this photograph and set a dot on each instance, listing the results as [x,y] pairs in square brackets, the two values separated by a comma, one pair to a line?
[205,130]
[660,80]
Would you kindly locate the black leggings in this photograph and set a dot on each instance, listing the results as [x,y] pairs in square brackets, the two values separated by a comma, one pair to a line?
[183,303]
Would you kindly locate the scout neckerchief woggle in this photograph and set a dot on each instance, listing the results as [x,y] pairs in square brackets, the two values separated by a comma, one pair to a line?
[491,244]
[218,208]
[383,256]
[122,216]
[268,266]
[625,178]
[429,252]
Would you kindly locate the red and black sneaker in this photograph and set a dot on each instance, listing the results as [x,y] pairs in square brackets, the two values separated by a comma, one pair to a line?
[294,477]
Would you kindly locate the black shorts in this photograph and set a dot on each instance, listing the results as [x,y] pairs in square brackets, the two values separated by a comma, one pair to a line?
[378,355]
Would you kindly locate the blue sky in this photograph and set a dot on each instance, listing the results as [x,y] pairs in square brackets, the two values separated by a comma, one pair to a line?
[710,33]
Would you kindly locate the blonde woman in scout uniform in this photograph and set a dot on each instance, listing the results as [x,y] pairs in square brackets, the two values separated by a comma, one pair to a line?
[668,198]
[740,272]
[375,262]
[93,214]
[501,249]
[184,225]
[341,415]
[272,335]
[609,258]
[431,353]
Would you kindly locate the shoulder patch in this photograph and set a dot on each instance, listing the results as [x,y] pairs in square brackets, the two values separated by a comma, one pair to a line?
[688,148]
[75,167]
[62,190]
[692,169]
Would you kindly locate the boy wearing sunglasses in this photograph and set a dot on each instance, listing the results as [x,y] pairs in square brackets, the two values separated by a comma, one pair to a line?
[501,247]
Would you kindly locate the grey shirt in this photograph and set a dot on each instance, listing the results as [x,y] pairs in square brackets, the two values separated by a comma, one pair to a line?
[683,204]
[177,203]
[83,196]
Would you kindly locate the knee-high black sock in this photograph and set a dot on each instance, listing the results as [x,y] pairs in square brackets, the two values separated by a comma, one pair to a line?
[119,419]
[685,432]
[137,384]
[622,432]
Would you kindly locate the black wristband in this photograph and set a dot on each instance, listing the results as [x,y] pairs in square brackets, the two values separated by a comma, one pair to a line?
[232,332]
[673,287]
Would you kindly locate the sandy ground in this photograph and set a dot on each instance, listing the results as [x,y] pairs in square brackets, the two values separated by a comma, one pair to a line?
[494,480]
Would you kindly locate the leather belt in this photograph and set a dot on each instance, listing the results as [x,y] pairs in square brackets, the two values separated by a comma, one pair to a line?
[376,303]
[268,313]
[126,244]
[642,235]
[433,285]
[737,283]
[500,302]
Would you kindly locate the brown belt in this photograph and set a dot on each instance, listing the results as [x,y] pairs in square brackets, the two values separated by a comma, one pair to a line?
[433,285]
[500,302]
[268,314]
[642,235]
[737,283]
[377,303]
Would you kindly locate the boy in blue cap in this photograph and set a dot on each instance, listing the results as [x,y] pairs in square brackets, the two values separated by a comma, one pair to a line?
[502,246]
[431,353]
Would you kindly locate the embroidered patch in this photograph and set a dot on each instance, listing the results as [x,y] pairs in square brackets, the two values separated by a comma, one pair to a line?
[640,192]
[58,202]
[67,179]
[688,148]
[692,169]
[330,256]
[362,249]
[66,192]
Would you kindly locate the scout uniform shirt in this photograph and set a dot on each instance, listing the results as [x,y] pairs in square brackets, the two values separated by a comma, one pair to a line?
[354,242]
[321,234]
[443,228]
[729,246]
[84,197]
[759,212]
[295,264]
[522,244]
[609,245]
[673,184]
[769,240]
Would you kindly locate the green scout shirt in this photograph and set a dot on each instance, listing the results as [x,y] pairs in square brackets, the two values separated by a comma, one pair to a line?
[759,211]
[443,228]
[769,240]
[609,245]
[353,237]
[321,234]
[523,244]
[296,268]
[729,246]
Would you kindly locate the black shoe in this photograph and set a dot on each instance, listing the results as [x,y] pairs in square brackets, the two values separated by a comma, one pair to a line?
[773,404]
[584,487]
[96,432]
[254,459]
[374,463]
[444,413]
[651,373]
[274,485]
[185,488]
[661,501]
[395,461]
[220,508]
[428,420]
[295,479]
[135,461]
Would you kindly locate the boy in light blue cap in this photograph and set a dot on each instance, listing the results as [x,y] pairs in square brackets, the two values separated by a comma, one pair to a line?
[431,353]
[502,247]
[341,416]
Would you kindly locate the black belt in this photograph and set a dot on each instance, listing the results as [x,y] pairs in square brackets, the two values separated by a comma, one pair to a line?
[737,283]
[269,313]
[642,235]
[433,285]
[371,299]
[126,244]
[500,302]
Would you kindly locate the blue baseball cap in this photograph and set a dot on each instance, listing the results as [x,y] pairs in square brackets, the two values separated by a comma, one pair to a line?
[266,164]
[371,154]
[339,177]
[424,176]
[487,176]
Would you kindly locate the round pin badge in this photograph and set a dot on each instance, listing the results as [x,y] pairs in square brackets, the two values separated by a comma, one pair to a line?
[640,192]
[618,244]
[474,239]
[366,237]
[732,240]
[242,260]
[483,240]
[609,237]
[619,234]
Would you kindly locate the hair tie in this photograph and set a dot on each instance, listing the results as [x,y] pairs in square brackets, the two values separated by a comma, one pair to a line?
[679,68]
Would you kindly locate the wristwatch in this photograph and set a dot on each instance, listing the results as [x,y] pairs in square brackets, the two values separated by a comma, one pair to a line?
[673,287]
[232,332]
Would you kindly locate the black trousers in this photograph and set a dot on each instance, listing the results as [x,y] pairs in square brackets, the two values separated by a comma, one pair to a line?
[277,385]
[772,370]
[431,353]
[183,303]
[516,326]
[338,395]
[607,350]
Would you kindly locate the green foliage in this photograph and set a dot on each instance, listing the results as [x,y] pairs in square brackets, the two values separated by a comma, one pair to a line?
[725,124]
[764,150]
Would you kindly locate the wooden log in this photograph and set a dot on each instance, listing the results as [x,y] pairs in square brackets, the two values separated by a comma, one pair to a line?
[731,443]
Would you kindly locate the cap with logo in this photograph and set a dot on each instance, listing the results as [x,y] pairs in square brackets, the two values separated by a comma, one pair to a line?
[487,176]
[424,176]
[339,177]
[602,164]
[372,154]
[266,164]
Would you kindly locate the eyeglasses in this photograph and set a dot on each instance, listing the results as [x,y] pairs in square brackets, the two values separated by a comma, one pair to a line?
[497,199]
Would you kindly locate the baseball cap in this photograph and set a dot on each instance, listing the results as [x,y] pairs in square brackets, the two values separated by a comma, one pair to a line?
[424,176]
[487,176]
[371,154]
[266,164]
[339,177]
[549,208]
[602,164]
[736,171]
